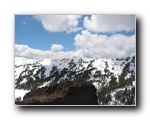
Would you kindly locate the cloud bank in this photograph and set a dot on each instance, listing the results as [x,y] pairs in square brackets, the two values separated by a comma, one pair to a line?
[27,52]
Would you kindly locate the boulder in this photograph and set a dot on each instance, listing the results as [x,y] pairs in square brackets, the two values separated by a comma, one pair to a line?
[64,93]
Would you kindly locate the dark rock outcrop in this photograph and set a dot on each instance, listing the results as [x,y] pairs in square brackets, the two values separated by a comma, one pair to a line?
[64,93]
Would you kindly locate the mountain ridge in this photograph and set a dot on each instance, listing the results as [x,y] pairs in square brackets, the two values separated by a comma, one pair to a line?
[113,74]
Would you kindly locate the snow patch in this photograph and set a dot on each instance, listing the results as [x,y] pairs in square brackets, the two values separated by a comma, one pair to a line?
[20,93]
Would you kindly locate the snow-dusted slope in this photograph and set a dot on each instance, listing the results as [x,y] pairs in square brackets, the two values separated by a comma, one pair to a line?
[35,73]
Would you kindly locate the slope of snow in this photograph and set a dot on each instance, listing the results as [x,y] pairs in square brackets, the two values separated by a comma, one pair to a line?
[20,93]
[77,65]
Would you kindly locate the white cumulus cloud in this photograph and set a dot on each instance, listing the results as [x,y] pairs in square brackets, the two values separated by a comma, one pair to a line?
[94,45]
[56,47]
[109,23]
[57,23]
[87,45]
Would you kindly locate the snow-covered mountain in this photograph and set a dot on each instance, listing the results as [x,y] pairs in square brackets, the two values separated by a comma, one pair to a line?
[113,78]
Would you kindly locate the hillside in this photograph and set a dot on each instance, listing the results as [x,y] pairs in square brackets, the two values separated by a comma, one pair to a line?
[114,79]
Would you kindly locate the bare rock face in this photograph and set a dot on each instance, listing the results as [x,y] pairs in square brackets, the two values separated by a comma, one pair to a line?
[64,93]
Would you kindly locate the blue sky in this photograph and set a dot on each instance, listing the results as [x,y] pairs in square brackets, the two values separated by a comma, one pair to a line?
[30,32]
[42,31]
